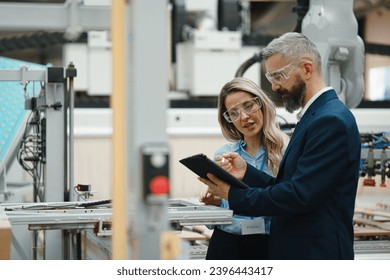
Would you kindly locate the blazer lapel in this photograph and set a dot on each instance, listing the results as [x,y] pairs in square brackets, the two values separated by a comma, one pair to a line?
[306,118]
[297,131]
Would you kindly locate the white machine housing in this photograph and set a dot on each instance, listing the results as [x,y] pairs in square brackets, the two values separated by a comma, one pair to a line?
[333,27]
[210,59]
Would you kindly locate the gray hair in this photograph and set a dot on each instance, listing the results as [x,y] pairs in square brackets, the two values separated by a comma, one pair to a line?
[293,46]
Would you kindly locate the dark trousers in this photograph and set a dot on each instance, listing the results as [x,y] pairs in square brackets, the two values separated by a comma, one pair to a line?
[227,246]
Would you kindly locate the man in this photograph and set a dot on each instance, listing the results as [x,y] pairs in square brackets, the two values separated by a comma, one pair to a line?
[312,199]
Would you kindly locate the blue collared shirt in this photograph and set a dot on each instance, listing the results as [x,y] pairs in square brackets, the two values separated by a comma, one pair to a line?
[259,161]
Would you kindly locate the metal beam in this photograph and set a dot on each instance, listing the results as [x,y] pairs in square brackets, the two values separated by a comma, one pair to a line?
[55,17]
[146,101]
[23,75]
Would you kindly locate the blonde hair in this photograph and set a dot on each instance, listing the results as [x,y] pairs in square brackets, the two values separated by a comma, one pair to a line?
[272,138]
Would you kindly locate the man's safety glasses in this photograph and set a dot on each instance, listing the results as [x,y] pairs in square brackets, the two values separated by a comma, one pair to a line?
[283,74]
[248,107]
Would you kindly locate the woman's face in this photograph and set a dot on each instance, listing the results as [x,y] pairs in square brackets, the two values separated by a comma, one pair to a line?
[250,125]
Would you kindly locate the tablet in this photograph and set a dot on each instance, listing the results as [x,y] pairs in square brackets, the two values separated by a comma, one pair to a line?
[200,164]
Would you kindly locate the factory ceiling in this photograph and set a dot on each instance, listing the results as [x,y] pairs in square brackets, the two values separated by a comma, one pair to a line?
[268,18]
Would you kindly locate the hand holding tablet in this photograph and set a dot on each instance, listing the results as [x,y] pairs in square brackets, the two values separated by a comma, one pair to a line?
[200,164]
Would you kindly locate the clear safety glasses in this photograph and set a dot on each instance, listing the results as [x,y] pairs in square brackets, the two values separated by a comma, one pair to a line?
[248,107]
[283,74]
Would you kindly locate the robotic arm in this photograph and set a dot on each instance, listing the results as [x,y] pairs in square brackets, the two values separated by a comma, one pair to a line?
[332,25]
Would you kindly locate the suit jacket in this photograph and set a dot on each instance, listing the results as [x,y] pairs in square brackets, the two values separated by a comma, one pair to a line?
[312,199]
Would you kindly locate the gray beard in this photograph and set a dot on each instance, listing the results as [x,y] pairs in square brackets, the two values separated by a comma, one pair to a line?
[293,99]
[290,104]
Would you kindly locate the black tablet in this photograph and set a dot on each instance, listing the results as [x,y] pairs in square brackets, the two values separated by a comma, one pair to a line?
[200,164]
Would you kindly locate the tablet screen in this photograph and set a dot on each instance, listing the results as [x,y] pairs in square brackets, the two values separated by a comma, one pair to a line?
[200,164]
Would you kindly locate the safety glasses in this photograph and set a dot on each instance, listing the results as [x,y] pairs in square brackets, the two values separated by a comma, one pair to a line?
[283,74]
[248,107]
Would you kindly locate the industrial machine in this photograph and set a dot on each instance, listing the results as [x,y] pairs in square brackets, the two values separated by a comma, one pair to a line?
[372,231]
[36,101]
[59,218]
[87,225]
[375,158]
[342,49]
[211,43]
[56,233]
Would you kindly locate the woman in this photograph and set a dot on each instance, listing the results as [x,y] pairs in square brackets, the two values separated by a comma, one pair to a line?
[247,119]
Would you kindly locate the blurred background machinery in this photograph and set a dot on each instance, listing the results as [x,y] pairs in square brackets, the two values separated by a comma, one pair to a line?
[201,45]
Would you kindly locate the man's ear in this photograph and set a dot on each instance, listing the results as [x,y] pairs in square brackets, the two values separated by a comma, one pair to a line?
[308,67]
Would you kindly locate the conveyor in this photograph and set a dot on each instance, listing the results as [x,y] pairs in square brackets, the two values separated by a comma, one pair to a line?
[96,216]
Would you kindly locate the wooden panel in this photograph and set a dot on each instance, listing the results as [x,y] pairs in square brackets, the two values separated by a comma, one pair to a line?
[5,239]
[369,231]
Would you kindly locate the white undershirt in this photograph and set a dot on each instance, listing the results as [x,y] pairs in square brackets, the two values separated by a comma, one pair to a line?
[311,100]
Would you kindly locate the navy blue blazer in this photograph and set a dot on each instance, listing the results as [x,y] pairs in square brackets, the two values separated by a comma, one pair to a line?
[312,199]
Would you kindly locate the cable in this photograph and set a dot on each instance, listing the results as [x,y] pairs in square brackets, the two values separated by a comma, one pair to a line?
[30,152]
[248,63]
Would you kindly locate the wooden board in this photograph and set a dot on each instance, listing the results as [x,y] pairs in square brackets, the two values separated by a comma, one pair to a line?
[373,213]
[370,231]
[190,235]
[373,223]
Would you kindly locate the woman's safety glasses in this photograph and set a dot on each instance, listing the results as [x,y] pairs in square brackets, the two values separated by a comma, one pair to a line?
[248,107]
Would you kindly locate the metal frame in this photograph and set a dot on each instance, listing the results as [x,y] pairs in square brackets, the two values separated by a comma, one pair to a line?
[72,16]
[55,135]
[144,61]
[187,212]
[147,50]
[74,217]
[55,163]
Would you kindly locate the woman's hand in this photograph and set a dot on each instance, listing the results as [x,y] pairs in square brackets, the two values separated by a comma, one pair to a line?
[210,199]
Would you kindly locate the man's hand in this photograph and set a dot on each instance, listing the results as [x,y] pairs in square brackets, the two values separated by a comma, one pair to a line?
[233,163]
[210,199]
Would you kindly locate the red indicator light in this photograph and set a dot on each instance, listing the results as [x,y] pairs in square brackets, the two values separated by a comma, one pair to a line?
[159,185]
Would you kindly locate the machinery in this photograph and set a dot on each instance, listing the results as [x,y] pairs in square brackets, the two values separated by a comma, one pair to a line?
[138,208]
[375,158]
[342,50]
[36,135]
[372,231]
[139,202]
[89,224]
[202,49]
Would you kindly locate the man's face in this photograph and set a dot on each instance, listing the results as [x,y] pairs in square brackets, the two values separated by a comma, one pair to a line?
[286,81]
